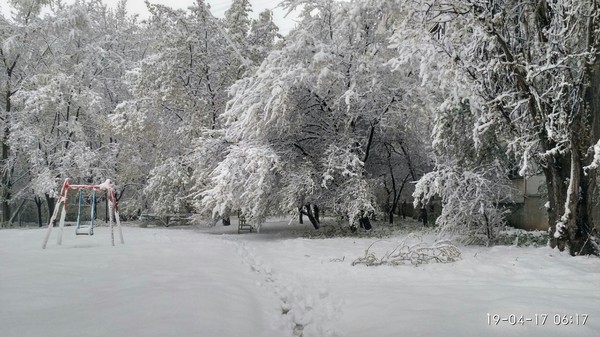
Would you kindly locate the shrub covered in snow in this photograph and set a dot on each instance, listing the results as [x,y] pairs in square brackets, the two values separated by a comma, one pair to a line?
[522,238]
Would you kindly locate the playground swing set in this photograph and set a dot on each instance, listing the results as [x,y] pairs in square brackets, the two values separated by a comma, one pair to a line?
[82,227]
[108,186]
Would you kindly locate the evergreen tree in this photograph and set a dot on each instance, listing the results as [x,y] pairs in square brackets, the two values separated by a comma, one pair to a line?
[262,36]
[237,21]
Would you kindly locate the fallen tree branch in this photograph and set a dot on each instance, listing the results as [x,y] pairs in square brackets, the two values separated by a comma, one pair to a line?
[416,254]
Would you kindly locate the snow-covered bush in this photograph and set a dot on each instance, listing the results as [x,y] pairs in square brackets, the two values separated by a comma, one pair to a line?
[522,238]
[471,176]
[168,187]
[471,200]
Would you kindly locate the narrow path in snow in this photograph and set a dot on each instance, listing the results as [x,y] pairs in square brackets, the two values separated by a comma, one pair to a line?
[306,309]
[160,283]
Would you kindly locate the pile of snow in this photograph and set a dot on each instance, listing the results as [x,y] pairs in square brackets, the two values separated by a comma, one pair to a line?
[214,282]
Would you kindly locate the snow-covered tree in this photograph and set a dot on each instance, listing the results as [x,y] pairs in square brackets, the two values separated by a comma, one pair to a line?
[237,20]
[400,158]
[471,179]
[262,36]
[529,71]
[20,54]
[60,129]
[28,9]
[179,89]
[303,127]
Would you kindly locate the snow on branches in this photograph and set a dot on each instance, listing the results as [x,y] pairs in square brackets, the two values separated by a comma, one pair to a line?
[472,200]
[245,180]
[321,105]
[415,254]
[529,71]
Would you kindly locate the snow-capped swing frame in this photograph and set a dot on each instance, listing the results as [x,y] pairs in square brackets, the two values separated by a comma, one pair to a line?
[113,209]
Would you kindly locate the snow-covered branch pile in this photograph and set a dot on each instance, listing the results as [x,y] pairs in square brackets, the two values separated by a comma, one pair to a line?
[415,254]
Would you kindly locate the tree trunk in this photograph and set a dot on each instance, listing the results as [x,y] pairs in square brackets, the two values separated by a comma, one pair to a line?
[226,221]
[396,192]
[5,181]
[95,205]
[570,213]
[300,218]
[313,220]
[226,217]
[571,207]
[365,222]
[17,211]
[38,203]
[6,195]
[423,215]
[308,211]
[51,202]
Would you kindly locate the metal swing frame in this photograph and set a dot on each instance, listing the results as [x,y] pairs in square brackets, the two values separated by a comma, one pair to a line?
[61,205]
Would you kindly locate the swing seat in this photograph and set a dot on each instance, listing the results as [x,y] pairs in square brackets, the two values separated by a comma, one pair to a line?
[84,230]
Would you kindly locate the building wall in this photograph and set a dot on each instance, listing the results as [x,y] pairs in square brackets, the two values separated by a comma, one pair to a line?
[529,211]
[529,214]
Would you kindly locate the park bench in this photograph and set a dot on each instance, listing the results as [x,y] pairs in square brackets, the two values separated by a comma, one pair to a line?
[242,225]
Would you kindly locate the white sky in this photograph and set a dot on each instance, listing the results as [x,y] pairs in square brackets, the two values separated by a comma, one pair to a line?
[218,8]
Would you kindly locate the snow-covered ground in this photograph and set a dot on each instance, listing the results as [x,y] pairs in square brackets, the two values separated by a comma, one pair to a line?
[214,282]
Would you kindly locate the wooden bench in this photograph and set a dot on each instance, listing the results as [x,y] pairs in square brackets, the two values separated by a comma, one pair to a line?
[242,225]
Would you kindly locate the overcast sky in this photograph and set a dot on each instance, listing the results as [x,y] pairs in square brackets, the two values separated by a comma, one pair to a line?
[218,8]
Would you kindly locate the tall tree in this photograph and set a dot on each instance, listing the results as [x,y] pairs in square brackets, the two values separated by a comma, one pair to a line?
[262,36]
[61,127]
[529,71]
[237,20]
[19,56]
[303,128]
[179,89]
